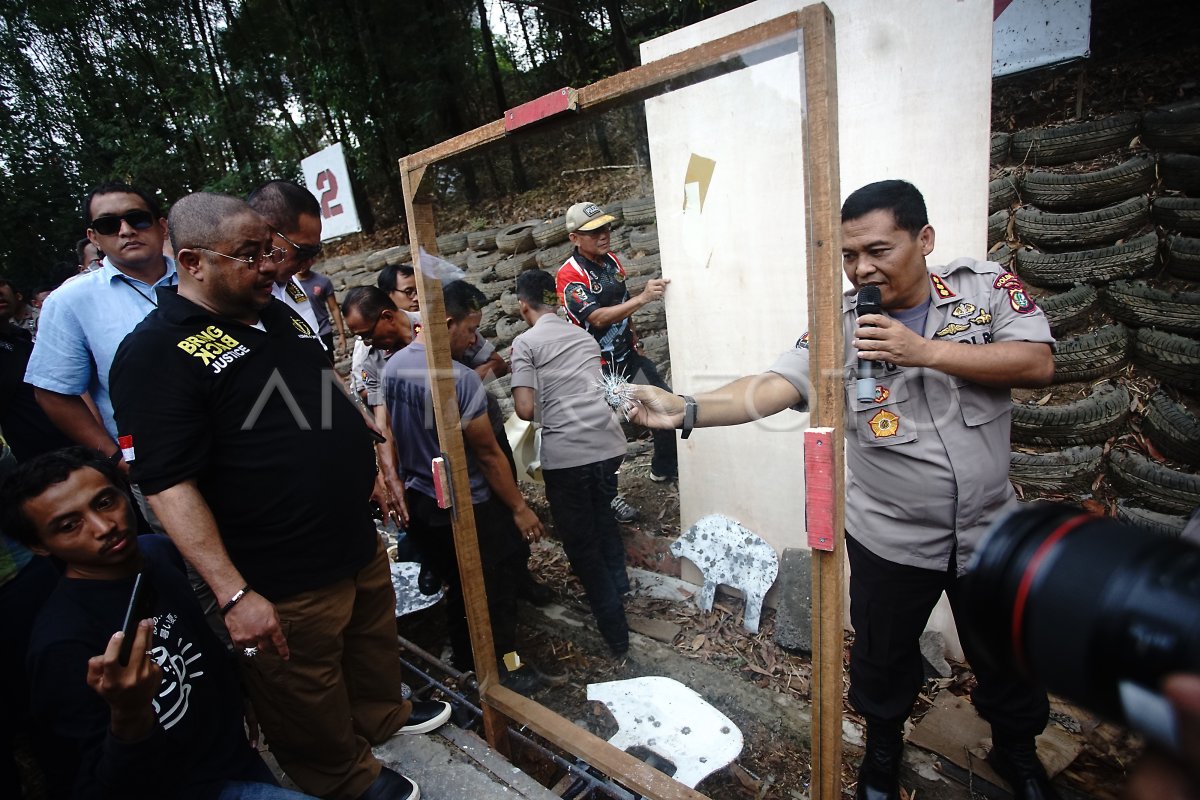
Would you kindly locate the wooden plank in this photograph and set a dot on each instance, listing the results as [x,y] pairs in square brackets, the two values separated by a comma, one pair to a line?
[617,764]
[820,142]
[620,87]
[423,234]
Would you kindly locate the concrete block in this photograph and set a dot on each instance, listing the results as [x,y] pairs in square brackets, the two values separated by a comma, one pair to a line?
[933,650]
[793,616]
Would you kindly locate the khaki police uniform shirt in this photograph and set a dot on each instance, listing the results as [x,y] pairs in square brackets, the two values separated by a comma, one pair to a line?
[928,459]
[561,363]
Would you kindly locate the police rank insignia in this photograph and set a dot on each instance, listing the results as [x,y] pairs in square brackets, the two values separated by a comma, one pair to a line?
[940,288]
[884,424]
[1018,298]
[963,310]
[296,293]
[953,328]
[881,393]
[301,326]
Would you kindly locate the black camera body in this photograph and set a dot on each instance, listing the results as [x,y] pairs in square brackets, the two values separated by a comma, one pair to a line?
[1096,611]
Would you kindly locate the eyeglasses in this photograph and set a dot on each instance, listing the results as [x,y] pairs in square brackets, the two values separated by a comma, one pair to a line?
[410,292]
[304,252]
[369,336]
[274,255]
[597,231]
[138,220]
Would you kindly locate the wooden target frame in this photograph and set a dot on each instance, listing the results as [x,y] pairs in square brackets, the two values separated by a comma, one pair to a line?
[812,29]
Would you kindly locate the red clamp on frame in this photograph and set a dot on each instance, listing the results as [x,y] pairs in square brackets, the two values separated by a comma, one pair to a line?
[548,105]
[818,487]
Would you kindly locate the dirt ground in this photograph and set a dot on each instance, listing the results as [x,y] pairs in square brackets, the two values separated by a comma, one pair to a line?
[763,688]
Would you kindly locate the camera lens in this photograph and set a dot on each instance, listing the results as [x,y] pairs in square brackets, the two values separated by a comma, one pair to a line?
[1096,611]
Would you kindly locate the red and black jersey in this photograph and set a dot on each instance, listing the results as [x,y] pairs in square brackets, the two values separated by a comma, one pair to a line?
[583,286]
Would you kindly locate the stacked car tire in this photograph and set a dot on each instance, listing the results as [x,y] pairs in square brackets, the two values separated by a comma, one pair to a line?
[1102,218]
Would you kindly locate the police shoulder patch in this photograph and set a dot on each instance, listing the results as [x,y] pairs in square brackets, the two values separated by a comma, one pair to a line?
[940,288]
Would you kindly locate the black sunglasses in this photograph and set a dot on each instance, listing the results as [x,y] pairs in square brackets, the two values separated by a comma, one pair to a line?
[137,219]
[304,252]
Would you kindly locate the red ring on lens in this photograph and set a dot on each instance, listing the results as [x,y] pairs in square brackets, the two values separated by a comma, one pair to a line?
[1026,584]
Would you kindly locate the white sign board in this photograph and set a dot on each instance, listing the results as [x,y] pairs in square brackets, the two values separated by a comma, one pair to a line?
[1027,34]
[326,176]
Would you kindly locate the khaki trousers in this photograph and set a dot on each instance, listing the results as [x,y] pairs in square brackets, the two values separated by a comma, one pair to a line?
[339,693]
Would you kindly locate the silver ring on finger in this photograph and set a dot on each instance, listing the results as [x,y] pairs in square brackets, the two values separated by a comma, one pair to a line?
[250,652]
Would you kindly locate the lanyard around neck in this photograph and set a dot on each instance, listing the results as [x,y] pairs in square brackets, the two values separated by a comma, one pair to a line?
[149,298]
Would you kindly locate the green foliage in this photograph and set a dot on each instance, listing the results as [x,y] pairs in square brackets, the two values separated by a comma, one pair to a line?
[225,94]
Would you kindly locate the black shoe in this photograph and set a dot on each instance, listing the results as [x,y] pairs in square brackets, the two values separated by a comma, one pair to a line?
[391,785]
[1018,764]
[552,674]
[428,582]
[879,775]
[427,715]
[623,511]
[530,590]
[522,681]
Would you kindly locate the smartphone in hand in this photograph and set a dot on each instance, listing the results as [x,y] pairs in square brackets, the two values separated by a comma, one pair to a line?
[134,614]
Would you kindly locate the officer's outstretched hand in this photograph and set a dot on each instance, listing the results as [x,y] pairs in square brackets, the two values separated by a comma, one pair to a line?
[652,407]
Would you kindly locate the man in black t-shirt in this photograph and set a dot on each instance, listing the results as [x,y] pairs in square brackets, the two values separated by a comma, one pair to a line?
[230,412]
[22,421]
[169,723]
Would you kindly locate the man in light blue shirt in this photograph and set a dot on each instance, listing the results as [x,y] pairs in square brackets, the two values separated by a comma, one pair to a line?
[85,319]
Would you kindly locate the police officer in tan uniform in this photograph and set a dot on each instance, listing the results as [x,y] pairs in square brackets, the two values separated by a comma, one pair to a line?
[927,457]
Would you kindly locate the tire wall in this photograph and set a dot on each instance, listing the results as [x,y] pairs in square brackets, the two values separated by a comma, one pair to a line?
[1101,219]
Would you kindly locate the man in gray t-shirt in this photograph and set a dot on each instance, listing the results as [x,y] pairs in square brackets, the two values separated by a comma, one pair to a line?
[927,457]
[555,369]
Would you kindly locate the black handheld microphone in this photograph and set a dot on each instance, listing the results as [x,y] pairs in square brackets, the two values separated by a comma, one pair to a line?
[870,301]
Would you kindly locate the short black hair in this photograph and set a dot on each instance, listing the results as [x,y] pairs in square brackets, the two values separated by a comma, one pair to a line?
[283,203]
[197,219]
[387,275]
[369,301]
[80,246]
[462,298]
[35,476]
[537,288]
[899,197]
[118,187]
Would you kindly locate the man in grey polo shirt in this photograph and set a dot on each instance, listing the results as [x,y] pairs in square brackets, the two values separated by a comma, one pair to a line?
[927,457]
[555,368]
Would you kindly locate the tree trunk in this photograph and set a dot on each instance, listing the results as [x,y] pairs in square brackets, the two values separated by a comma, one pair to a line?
[493,67]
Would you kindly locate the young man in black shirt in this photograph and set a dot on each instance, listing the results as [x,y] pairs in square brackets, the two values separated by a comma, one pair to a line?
[231,413]
[168,723]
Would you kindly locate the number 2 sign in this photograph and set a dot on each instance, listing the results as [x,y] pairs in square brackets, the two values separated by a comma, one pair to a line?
[326,176]
[327,185]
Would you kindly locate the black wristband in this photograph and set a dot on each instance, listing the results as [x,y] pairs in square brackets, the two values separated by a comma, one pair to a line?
[689,415]
[117,457]
[233,601]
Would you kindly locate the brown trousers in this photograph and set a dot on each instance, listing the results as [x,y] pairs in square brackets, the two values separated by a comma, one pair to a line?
[339,693]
